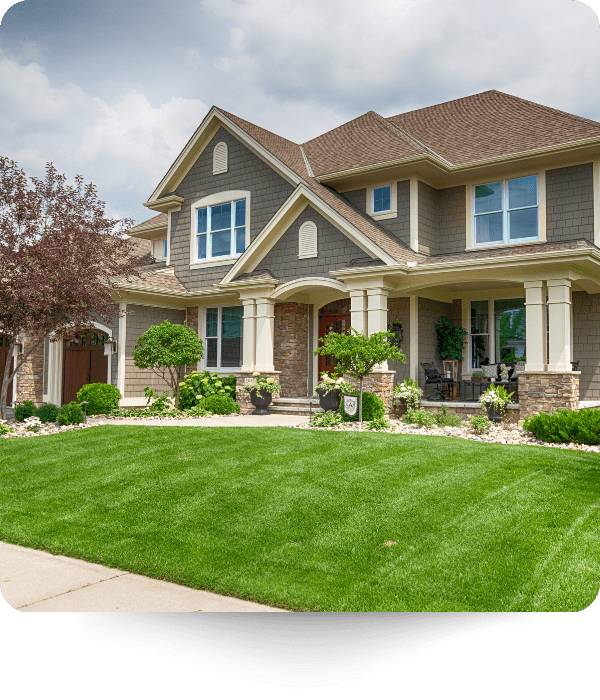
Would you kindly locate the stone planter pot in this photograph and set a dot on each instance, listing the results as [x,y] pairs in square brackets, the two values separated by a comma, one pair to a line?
[329,401]
[261,401]
[400,406]
[494,414]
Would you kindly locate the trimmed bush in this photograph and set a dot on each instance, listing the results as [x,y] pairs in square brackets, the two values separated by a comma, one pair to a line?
[372,408]
[198,385]
[70,414]
[221,405]
[47,413]
[566,425]
[419,416]
[101,398]
[24,410]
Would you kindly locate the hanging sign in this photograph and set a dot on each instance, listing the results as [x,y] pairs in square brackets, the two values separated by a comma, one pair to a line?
[350,404]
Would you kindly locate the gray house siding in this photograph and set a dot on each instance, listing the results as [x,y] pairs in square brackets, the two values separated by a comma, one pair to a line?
[570,204]
[246,171]
[451,231]
[334,250]
[428,219]
[586,341]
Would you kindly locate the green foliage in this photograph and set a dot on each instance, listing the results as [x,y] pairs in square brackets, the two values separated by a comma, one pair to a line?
[158,403]
[419,416]
[480,424]
[445,417]
[496,396]
[379,424]
[195,412]
[220,405]
[566,425]
[24,410]
[268,384]
[166,349]
[373,408]
[47,413]
[328,419]
[450,339]
[4,429]
[409,391]
[101,397]
[196,385]
[70,414]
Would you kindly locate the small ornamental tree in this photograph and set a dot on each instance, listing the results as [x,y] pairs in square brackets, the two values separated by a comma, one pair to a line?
[450,339]
[166,349]
[60,261]
[357,354]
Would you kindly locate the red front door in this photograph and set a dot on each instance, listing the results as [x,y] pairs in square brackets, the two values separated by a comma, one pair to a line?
[84,362]
[333,318]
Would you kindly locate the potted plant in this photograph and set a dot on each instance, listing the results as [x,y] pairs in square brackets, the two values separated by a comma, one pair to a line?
[329,391]
[407,394]
[395,327]
[477,376]
[261,390]
[494,400]
[450,339]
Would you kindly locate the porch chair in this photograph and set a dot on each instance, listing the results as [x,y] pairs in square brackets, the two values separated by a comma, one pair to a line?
[432,376]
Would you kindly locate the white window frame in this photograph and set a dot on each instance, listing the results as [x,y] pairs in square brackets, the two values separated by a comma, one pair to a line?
[218,368]
[390,213]
[211,201]
[165,252]
[491,330]
[505,242]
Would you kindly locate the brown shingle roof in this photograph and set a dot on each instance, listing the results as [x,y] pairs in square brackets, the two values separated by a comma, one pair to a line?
[492,124]
[155,281]
[150,223]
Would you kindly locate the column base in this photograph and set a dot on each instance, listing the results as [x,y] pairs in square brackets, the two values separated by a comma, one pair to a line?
[380,383]
[545,392]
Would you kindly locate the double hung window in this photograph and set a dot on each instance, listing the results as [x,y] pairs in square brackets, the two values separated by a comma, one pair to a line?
[221,230]
[507,211]
[223,337]
[382,199]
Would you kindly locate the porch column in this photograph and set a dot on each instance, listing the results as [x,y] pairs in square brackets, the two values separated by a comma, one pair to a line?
[358,310]
[249,335]
[377,315]
[265,331]
[559,318]
[535,336]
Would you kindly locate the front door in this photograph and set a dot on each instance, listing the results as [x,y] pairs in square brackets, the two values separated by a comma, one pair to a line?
[84,362]
[4,343]
[333,318]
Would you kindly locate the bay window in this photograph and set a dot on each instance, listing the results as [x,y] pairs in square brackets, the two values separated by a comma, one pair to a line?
[223,337]
[506,212]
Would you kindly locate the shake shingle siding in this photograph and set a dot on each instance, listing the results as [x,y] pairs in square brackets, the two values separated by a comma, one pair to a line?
[429,312]
[334,251]
[358,198]
[428,219]
[246,171]
[586,343]
[570,204]
[451,232]
[399,310]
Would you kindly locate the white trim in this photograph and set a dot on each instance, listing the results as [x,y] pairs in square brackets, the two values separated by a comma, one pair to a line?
[414,214]
[390,213]
[168,261]
[596,197]
[413,343]
[121,349]
[288,288]
[307,240]
[203,337]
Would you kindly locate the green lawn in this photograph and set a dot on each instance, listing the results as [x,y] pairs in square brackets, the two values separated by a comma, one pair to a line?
[299,519]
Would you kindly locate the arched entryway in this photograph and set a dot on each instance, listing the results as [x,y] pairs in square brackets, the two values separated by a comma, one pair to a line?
[84,362]
[333,318]
[4,344]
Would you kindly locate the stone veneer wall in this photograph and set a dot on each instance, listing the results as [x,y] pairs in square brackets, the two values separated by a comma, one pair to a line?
[30,375]
[511,415]
[586,343]
[243,397]
[544,392]
[380,383]
[399,309]
[290,348]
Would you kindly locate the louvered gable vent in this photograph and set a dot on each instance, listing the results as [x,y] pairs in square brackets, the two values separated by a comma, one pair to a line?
[220,159]
[308,240]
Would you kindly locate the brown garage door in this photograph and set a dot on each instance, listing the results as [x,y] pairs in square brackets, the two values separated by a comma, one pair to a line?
[84,362]
[4,343]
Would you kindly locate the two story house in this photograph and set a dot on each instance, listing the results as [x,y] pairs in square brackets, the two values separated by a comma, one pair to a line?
[485,209]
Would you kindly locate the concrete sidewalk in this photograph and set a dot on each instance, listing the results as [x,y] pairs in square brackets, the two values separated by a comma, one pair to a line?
[35,581]
[212,421]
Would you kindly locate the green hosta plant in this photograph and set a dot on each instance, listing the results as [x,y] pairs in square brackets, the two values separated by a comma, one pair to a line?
[409,391]
[5,429]
[379,424]
[329,419]
[157,402]
[262,384]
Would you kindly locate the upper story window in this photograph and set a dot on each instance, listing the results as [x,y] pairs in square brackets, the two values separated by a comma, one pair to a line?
[507,211]
[159,248]
[221,230]
[220,157]
[382,199]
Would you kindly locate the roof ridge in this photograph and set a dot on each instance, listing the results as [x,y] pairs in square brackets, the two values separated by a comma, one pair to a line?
[392,126]
[546,108]
[306,162]
[256,126]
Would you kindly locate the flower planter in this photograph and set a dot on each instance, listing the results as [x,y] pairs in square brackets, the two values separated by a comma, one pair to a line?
[261,400]
[494,414]
[400,405]
[330,400]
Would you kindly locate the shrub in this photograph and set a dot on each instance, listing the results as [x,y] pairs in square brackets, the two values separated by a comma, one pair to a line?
[221,405]
[24,410]
[419,416]
[379,424]
[4,429]
[155,403]
[197,385]
[101,398]
[328,419]
[194,412]
[47,412]
[480,424]
[70,414]
[372,407]
[566,425]
[444,416]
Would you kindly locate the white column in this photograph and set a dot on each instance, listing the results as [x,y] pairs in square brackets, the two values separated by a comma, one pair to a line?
[358,310]
[559,319]
[535,330]
[249,336]
[377,316]
[121,350]
[414,338]
[265,332]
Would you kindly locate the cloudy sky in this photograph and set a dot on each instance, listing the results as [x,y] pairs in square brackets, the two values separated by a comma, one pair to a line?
[113,89]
